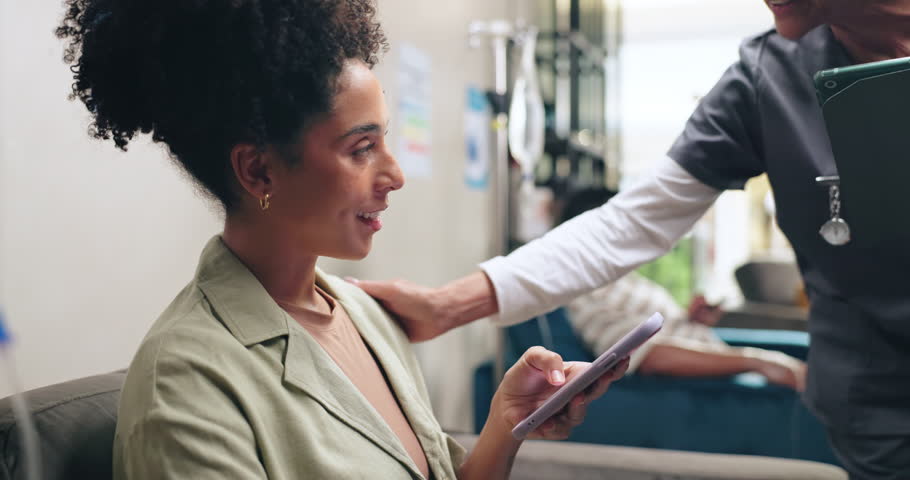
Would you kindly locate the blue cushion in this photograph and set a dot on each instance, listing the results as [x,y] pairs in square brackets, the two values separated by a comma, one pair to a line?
[714,415]
[705,415]
[739,414]
[791,342]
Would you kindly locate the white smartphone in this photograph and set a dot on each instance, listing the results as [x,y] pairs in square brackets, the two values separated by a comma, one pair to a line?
[622,349]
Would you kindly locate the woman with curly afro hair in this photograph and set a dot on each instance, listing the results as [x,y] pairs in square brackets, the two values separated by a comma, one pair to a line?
[264,366]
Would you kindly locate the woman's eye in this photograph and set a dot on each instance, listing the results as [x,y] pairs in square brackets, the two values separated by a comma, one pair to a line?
[367,148]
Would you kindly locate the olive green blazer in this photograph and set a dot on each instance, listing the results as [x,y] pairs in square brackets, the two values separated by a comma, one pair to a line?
[226,385]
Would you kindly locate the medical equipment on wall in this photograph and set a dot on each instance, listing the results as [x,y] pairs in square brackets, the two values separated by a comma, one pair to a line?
[527,131]
[560,120]
[28,435]
[500,33]
[527,127]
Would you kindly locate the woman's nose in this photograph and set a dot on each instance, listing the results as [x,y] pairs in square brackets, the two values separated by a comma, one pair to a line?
[390,177]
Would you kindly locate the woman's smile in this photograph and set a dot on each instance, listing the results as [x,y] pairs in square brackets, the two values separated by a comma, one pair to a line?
[370,219]
[782,7]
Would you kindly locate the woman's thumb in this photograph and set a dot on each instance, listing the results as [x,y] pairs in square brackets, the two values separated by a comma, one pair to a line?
[550,363]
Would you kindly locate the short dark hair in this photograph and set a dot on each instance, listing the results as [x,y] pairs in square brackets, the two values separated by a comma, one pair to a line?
[582,199]
[204,75]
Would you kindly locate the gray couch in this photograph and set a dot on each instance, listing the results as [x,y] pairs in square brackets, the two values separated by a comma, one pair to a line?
[542,460]
[75,422]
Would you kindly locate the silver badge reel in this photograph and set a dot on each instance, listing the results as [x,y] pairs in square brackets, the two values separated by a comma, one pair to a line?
[835,231]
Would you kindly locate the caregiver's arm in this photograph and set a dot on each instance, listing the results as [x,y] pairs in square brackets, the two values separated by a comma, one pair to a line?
[638,225]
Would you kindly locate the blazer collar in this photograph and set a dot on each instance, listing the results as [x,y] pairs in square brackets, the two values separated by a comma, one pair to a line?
[253,317]
[237,297]
[309,368]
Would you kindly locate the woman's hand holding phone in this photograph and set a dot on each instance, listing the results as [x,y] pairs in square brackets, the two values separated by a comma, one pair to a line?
[584,375]
[537,375]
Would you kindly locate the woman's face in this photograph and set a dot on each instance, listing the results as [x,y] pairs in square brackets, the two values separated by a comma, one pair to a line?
[795,18]
[331,198]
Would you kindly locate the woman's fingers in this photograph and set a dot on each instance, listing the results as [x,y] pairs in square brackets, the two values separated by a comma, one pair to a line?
[602,384]
[538,360]
[620,369]
[559,426]
[548,362]
[575,414]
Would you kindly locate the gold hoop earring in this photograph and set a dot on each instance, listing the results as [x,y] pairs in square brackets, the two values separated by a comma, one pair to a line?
[264,201]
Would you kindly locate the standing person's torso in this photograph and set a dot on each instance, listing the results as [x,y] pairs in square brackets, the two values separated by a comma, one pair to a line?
[764,117]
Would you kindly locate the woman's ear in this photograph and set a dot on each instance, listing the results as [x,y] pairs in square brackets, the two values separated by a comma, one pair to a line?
[253,169]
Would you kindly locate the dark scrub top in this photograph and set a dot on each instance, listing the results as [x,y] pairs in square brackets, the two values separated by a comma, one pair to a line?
[763,117]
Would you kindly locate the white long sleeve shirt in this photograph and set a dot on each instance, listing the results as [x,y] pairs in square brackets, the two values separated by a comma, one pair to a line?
[638,225]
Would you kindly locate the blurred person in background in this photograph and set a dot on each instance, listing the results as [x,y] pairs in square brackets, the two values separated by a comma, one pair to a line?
[686,346]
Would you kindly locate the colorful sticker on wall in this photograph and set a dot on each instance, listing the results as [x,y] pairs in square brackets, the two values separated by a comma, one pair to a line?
[414,112]
[477,121]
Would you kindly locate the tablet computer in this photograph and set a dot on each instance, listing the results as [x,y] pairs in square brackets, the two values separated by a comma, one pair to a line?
[867,115]
[615,354]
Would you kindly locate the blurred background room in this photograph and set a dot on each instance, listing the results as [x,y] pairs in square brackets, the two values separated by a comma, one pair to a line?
[91,250]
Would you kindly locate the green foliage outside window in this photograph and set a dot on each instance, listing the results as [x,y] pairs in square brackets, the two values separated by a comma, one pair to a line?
[674,271]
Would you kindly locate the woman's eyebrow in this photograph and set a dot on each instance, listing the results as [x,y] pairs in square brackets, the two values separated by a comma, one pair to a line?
[359,129]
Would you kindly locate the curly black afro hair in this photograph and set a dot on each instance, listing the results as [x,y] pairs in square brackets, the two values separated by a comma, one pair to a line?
[204,75]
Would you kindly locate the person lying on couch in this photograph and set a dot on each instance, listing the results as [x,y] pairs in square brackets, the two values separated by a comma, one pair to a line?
[686,346]
[264,366]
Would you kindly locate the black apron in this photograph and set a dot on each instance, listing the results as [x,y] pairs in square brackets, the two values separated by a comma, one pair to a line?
[763,117]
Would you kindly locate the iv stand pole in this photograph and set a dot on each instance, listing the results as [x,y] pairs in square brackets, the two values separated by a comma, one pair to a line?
[500,32]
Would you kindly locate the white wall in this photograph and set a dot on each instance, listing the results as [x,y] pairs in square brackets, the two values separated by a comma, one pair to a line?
[94,242]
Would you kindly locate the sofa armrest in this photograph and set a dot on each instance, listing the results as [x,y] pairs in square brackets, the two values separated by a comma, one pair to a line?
[75,423]
[767,316]
[549,460]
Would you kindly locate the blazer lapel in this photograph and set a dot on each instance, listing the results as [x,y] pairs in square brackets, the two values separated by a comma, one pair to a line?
[252,316]
[309,368]
[400,379]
